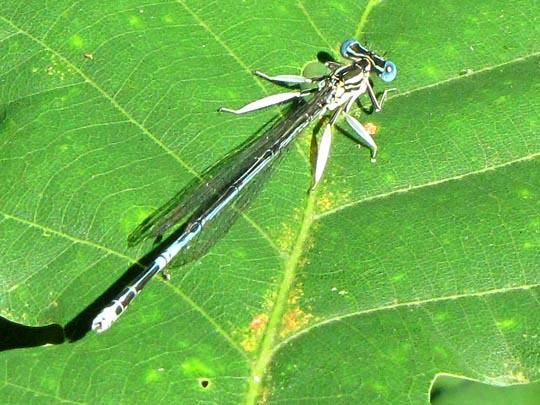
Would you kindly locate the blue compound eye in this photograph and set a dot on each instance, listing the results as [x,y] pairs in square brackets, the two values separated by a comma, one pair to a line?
[390,71]
[347,49]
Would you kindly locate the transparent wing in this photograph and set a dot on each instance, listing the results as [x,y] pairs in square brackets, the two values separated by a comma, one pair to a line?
[273,143]
[198,194]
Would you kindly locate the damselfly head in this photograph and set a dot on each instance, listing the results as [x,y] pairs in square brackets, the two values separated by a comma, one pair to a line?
[353,50]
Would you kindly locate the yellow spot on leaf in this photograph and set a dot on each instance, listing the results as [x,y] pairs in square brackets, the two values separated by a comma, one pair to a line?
[506,324]
[295,318]
[152,376]
[135,21]
[195,367]
[286,237]
[330,199]
[325,202]
[249,343]
[76,41]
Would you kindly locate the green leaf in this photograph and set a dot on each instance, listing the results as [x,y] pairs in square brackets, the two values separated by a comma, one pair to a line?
[426,262]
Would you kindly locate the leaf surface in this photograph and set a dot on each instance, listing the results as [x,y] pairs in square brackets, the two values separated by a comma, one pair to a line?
[426,262]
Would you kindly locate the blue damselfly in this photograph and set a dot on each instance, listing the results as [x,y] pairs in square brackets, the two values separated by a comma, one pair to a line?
[209,208]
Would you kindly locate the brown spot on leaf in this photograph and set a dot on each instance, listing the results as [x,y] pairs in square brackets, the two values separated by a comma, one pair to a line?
[258,322]
[371,127]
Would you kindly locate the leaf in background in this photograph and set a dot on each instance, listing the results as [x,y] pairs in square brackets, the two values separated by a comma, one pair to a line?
[426,262]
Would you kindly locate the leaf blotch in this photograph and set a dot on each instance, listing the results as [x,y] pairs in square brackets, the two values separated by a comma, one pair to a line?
[76,41]
[257,326]
[506,324]
[135,21]
[295,318]
[195,366]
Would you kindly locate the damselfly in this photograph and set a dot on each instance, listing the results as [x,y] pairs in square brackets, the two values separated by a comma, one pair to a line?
[220,199]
